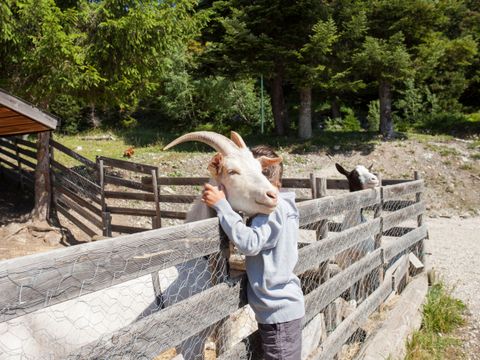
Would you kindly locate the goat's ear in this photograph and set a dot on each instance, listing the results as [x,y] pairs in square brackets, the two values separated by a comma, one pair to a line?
[341,169]
[269,161]
[237,139]
[216,164]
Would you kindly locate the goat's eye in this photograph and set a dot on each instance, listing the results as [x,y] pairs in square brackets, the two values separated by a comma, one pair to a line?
[233,172]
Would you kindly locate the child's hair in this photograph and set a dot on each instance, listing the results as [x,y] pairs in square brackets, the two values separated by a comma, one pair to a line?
[273,173]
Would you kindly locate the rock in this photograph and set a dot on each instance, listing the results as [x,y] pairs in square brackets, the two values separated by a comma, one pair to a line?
[79,148]
[450,188]
[52,238]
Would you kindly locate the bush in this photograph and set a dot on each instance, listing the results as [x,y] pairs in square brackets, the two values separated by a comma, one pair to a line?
[70,113]
[373,116]
[450,123]
[348,123]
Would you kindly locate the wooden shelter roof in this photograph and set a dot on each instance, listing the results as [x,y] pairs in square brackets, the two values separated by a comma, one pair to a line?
[19,117]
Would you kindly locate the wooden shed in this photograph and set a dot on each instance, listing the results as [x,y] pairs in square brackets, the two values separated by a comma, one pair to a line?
[18,117]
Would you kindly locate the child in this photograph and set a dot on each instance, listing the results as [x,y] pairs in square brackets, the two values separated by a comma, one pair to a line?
[270,246]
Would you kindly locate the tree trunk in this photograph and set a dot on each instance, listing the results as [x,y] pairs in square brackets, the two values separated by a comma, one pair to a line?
[278,101]
[336,109]
[93,117]
[42,179]
[305,113]
[385,97]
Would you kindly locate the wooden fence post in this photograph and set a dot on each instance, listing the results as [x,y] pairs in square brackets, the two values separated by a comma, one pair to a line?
[106,216]
[324,269]
[379,275]
[420,249]
[157,223]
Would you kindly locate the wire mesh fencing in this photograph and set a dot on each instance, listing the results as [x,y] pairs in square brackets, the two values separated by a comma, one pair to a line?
[180,290]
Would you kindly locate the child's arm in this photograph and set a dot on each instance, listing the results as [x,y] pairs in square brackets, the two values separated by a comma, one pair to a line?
[249,240]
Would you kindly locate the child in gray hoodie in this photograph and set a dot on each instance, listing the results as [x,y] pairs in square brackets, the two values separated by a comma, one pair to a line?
[270,245]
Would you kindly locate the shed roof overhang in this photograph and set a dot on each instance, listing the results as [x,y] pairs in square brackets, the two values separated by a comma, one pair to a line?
[19,117]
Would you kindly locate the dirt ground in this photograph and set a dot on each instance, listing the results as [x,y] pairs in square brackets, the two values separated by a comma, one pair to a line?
[454,252]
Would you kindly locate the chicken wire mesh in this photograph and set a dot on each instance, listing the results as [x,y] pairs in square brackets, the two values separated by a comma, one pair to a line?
[153,316]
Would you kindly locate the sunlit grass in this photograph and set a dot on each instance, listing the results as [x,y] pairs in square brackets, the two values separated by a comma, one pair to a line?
[442,315]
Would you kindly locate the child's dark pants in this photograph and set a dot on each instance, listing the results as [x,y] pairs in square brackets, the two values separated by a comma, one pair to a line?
[282,341]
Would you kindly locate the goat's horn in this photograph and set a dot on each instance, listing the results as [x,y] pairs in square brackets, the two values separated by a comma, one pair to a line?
[217,141]
[237,139]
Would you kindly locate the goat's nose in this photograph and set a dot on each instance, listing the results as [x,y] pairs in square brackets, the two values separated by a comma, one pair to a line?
[272,195]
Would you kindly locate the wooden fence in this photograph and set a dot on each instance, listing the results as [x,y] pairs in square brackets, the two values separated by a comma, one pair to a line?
[42,280]
[18,160]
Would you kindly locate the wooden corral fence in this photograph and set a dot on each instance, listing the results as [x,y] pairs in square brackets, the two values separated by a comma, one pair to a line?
[18,160]
[42,280]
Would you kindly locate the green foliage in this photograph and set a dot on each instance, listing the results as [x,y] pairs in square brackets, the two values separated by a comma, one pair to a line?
[69,110]
[450,123]
[373,116]
[134,63]
[385,59]
[214,103]
[348,123]
[442,314]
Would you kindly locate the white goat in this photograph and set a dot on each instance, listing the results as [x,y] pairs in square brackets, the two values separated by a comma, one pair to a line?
[56,331]
[248,191]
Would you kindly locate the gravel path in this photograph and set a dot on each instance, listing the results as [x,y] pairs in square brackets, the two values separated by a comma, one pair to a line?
[454,246]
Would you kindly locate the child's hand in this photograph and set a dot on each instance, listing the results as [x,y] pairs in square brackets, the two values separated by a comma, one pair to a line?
[212,194]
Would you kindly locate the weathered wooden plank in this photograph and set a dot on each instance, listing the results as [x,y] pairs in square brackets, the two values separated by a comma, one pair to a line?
[401,270]
[386,182]
[182,199]
[401,244]
[62,189]
[192,181]
[10,156]
[316,301]
[41,280]
[337,184]
[296,183]
[127,165]
[73,154]
[396,191]
[28,163]
[26,143]
[150,336]
[181,215]
[128,195]
[312,255]
[124,229]
[69,203]
[318,209]
[14,147]
[115,180]
[357,318]
[130,211]
[396,218]
[8,152]
[74,220]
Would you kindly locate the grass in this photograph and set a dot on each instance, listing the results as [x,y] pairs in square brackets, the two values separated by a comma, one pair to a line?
[442,315]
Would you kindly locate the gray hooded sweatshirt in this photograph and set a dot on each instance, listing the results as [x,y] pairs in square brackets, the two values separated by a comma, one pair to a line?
[270,246]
